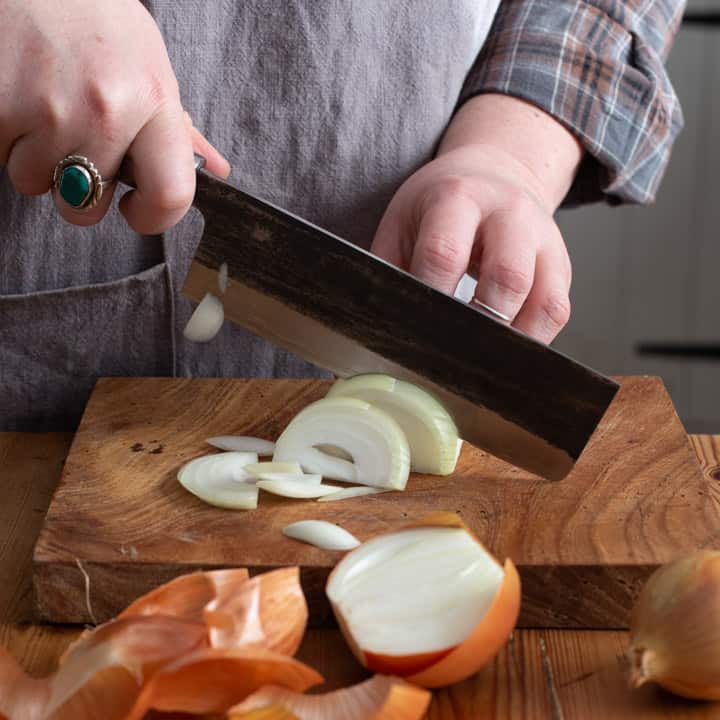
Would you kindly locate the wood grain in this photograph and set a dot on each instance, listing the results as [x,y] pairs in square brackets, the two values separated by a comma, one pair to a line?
[375,306]
[581,670]
[583,546]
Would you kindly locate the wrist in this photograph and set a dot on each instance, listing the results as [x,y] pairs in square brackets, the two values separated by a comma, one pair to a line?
[535,146]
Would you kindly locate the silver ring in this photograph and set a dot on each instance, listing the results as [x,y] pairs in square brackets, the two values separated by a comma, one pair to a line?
[490,310]
[78,182]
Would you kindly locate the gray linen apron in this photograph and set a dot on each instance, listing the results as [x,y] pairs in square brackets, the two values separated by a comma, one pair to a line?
[322,106]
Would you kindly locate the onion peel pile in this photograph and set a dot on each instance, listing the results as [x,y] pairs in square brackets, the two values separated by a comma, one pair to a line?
[201,643]
[427,603]
[379,698]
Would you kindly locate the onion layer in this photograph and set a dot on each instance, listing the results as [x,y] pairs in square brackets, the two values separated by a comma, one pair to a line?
[322,534]
[374,440]
[430,430]
[205,323]
[221,480]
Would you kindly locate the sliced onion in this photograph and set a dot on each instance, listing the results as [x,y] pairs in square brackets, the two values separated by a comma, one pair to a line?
[223,278]
[426,603]
[351,492]
[242,443]
[374,440]
[205,323]
[221,480]
[260,468]
[379,698]
[430,430]
[322,534]
[293,477]
[295,488]
[332,467]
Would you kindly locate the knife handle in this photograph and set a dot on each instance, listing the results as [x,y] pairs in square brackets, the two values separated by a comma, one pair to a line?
[127,174]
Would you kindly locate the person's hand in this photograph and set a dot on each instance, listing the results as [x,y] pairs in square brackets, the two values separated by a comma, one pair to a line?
[479,208]
[94,79]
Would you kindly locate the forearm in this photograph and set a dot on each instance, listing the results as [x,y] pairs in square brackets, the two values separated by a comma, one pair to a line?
[522,134]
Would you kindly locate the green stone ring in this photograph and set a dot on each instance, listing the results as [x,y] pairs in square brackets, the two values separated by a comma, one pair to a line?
[78,182]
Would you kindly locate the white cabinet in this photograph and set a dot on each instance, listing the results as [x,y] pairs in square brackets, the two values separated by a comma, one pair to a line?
[653,274]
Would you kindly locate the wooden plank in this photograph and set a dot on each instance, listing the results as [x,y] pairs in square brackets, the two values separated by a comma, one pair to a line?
[583,546]
[581,670]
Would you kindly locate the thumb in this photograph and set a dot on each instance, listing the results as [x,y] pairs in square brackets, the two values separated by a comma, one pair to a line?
[214,161]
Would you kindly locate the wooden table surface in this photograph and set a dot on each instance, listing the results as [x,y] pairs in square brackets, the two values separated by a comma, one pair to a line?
[555,674]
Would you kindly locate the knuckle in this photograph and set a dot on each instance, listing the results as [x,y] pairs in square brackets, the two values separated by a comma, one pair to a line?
[556,310]
[455,187]
[442,254]
[511,280]
[53,113]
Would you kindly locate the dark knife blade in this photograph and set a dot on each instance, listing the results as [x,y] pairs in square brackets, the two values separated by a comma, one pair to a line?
[340,307]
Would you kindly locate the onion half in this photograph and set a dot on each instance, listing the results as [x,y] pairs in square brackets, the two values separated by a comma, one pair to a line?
[374,440]
[430,430]
[427,603]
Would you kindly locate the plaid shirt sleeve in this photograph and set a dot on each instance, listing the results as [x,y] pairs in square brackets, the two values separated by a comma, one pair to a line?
[597,67]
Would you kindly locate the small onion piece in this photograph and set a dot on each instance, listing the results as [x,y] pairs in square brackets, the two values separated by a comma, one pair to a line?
[374,440]
[430,430]
[295,488]
[221,480]
[242,443]
[313,460]
[223,278]
[379,698]
[205,323]
[260,468]
[293,477]
[322,534]
[427,603]
[351,492]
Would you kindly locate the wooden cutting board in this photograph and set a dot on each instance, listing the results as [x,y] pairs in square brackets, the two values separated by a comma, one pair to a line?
[119,522]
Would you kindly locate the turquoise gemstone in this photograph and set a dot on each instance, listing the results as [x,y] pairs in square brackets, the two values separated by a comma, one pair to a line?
[74,186]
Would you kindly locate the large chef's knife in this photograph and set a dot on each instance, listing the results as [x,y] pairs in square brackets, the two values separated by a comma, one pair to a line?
[343,309]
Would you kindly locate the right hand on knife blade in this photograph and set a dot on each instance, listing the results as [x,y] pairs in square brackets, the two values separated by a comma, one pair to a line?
[94,79]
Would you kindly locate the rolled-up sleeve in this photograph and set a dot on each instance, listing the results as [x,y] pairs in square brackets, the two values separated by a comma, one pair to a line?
[598,67]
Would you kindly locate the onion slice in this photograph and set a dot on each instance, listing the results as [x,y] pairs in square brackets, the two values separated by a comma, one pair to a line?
[260,468]
[374,440]
[223,278]
[351,492]
[221,480]
[430,430]
[296,488]
[293,477]
[314,460]
[205,323]
[379,698]
[242,443]
[322,534]
[427,603]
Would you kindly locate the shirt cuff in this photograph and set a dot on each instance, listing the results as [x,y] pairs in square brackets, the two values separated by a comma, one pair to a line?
[598,72]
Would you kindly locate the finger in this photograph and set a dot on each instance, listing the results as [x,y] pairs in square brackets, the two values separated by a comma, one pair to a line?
[444,242]
[390,243]
[162,158]
[507,262]
[215,162]
[547,308]
[31,161]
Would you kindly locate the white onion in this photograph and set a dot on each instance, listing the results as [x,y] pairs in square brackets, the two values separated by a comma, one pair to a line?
[332,467]
[323,534]
[430,430]
[351,492]
[242,443]
[374,440]
[296,488]
[221,480]
[259,468]
[205,323]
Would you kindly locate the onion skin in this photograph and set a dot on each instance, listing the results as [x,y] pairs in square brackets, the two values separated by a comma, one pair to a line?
[675,628]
